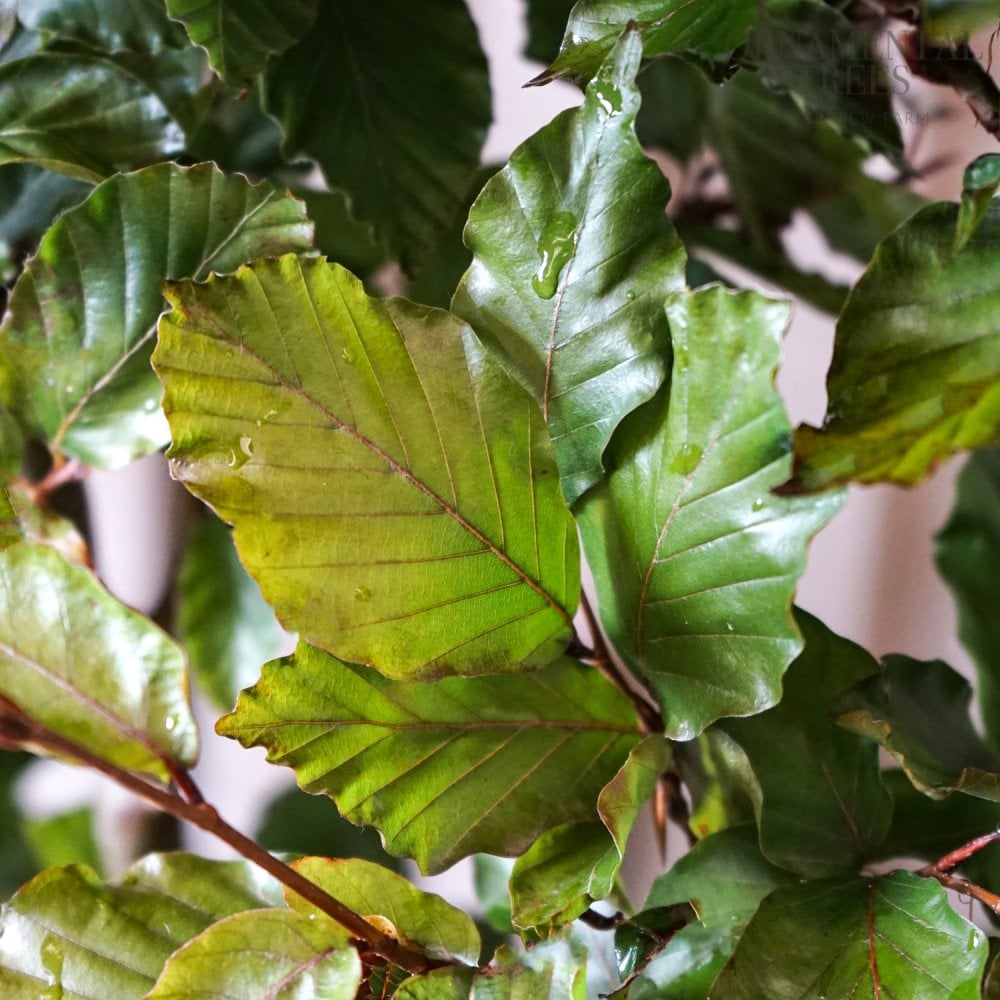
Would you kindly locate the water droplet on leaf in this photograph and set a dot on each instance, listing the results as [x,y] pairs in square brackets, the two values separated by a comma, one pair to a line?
[630,295]
[362,594]
[758,504]
[686,460]
[347,356]
[556,247]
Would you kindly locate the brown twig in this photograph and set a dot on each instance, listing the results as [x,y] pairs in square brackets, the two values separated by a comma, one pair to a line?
[942,871]
[650,719]
[63,471]
[20,731]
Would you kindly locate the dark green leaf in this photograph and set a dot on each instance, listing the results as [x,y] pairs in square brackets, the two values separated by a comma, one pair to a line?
[674,115]
[17,860]
[823,809]
[576,218]
[67,934]
[446,769]
[106,25]
[392,101]
[492,875]
[64,839]
[434,926]
[724,878]
[223,622]
[241,35]
[968,551]
[914,373]
[81,115]
[570,867]
[695,559]
[709,30]
[546,27]
[78,334]
[553,970]
[420,527]
[263,955]
[813,51]
[340,238]
[919,712]
[89,668]
[841,937]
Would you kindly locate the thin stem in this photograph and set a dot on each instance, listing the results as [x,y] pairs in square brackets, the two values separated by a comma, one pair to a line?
[954,858]
[18,730]
[63,471]
[649,716]
[943,867]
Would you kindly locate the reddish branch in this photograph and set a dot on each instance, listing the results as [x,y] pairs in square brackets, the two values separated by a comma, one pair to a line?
[942,871]
[19,731]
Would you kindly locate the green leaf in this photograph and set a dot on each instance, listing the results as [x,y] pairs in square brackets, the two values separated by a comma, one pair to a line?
[967,552]
[492,875]
[239,36]
[67,934]
[553,970]
[17,859]
[570,867]
[224,624]
[546,27]
[263,955]
[106,25]
[949,20]
[914,372]
[823,809]
[443,770]
[919,712]
[814,52]
[397,116]
[393,492]
[575,218]
[979,185]
[422,919]
[78,333]
[724,878]
[695,559]
[65,838]
[709,30]
[81,115]
[88,668]
[841,937]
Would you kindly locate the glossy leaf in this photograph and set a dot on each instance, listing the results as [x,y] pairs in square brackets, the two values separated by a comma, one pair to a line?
[224,624]
[106,25]
[572,257]
[239,36]
[263,955]
[894,936]
[724,878]
[77,337]
[553,970]
[392,491]
[823,809]
[397,116]
[695,559]
[68,934]
[89,668]
[570,867]
[709,30]
[914,372]
[968,549]
[81,115]
[979,185]
[431,924]
[447,769]
[919,712]
[813,51]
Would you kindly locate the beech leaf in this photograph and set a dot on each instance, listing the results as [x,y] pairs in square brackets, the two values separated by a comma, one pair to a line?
[572,258]
[240,35]
[88,668]
[393,492]
[914,373]
[263,955]
[447,769]
[68,934]
[694,557]
[392,101]
[427,922]
[78,333]
[892,936]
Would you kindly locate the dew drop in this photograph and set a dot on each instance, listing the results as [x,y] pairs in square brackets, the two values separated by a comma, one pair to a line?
[556,247]
[729,626]
[347,356]
[270,415]
[609,97]
[630,295]
[52,963]
[170,723]
[758,504]
[241,453]
[362,594]
[686,460]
